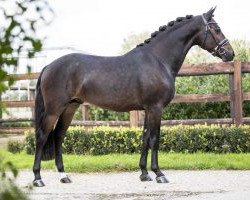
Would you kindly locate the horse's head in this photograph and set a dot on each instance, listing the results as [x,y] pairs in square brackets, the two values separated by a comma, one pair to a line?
[211,38]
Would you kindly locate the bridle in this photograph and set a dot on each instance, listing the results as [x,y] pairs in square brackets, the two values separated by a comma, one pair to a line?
[219,49]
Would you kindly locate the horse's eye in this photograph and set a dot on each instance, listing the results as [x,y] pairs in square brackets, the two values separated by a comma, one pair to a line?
[217,30]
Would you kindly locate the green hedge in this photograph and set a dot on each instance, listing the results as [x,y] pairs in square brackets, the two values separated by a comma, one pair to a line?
[16,124]
[14,146]
[199,138]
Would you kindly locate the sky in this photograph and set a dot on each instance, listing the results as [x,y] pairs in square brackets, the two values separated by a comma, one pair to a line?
[99,26]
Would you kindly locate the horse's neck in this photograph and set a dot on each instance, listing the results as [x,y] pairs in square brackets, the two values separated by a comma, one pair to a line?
[172,48]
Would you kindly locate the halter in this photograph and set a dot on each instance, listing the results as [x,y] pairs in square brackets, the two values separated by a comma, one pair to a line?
[219,49]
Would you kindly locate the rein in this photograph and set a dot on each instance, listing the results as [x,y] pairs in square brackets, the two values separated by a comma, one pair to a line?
[219,49]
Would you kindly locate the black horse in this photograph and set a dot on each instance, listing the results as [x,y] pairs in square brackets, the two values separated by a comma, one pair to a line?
[142,79]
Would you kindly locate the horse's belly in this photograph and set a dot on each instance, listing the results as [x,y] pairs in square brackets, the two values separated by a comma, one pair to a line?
[118,102]
[117,95]
[119,108]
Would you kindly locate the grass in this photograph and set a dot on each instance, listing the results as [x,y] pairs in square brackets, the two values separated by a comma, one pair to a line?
[129,162]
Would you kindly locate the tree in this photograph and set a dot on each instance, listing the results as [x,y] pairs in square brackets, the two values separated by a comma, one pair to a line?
[242,50]
[20,21]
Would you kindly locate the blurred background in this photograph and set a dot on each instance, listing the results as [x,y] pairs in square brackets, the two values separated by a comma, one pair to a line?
[34,33]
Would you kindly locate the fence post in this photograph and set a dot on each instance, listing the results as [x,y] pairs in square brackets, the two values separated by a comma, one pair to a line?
[85,112]
[232,97]
[32,97]
[1,109]
[236,94]
[141,116]
[134,116]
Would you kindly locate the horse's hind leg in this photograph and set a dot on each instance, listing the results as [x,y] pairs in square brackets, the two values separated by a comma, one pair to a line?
[41,138]
[59,133]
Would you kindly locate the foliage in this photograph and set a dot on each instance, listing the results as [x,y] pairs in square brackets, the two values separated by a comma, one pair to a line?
[104,114]
[211,110]
[242,50]
[8,189]
[14,146]
[20,22]
[17,124]
[132,40]
[78,114]
[29,144]
[202,84]
[96,113]
[198,55]
[199,138]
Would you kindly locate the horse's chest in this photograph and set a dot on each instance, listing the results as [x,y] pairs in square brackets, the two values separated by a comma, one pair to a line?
[159,91]
[169,95]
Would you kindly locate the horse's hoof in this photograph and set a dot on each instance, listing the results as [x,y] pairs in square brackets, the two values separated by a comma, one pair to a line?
[145,177]
[38,183]
[65,180]
[162,179]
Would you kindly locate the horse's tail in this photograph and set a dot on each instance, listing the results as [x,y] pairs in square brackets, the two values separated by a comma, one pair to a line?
[49,147]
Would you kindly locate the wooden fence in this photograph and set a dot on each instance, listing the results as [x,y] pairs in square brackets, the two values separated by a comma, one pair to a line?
[235,97]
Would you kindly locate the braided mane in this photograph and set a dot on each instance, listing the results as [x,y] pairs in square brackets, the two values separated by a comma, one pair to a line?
[164,27]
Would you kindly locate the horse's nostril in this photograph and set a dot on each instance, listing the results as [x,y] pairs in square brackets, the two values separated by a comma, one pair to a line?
[231,55]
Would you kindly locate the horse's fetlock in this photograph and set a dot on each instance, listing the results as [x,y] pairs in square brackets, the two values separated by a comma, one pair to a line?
[154,168]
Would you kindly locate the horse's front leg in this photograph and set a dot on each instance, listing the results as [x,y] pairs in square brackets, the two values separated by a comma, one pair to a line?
[154,116]
[144,151]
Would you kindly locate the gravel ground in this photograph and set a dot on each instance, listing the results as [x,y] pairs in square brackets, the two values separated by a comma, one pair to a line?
[188,185]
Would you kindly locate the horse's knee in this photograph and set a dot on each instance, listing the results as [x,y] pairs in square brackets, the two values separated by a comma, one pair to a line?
[154,144]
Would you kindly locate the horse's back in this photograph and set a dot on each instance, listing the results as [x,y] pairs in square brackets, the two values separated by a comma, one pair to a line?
[104,81]
[119,83]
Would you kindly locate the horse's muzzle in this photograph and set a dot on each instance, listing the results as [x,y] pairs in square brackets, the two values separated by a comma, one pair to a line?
[228,56]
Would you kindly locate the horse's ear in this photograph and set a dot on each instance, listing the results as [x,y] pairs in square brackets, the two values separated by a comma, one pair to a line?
[209,14]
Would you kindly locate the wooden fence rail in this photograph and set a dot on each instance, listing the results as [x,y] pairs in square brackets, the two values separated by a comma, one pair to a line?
[235,96]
